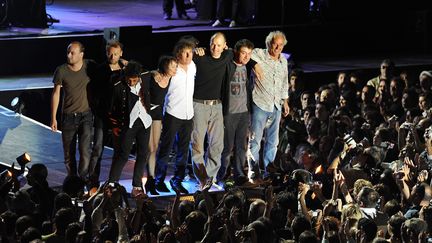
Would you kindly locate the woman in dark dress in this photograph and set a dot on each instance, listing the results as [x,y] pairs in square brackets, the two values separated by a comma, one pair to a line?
[159,83]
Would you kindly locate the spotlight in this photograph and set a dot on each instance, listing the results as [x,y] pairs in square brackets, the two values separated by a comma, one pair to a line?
[17,105]
[23,159]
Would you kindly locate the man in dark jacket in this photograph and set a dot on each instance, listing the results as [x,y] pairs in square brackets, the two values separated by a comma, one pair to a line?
[236,107]
[131,122]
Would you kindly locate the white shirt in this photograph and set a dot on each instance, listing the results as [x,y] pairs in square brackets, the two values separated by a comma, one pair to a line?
[179,98]
[139,111]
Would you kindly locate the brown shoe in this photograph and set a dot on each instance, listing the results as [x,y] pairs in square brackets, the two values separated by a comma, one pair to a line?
[138,192]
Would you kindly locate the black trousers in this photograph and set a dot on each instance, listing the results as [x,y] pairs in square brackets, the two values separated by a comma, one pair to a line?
[169,4]
[140,135]
[100,135]
[172,127]
[222,5]
[236,129]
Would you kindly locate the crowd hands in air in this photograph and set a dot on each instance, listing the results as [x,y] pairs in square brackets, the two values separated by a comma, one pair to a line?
[353,164]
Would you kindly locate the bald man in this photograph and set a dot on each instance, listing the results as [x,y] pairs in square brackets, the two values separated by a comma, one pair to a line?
[77,119]
[207,103]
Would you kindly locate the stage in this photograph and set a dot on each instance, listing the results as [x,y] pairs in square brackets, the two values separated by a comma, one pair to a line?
[78,17]
[19,134]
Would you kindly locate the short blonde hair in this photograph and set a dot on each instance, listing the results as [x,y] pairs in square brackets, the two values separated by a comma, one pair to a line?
[351,210]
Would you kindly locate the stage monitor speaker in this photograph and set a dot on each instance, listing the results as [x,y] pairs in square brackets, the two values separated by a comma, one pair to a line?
[129,34]
[137,41]
[27,13]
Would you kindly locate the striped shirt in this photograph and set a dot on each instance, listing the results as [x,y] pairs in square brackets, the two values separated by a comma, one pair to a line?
[273,88]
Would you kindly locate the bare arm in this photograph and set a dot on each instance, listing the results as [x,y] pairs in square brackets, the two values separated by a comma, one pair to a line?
[208,201]
[270,199]
[55,100]
[344,188]
[175,222]
[303,189]
[286,108]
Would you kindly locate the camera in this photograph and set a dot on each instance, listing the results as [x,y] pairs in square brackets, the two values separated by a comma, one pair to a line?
[407,125]
[387,145]
[349,140]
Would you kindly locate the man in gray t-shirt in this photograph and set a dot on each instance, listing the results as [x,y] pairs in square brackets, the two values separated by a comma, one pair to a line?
[77,118]
[236,102]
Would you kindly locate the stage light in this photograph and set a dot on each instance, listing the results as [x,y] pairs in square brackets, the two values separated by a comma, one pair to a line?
[189,198]
[23,159]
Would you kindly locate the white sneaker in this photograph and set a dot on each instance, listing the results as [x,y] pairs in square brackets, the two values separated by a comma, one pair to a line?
[251,174]
[217,186]
[232,24]
[217,23]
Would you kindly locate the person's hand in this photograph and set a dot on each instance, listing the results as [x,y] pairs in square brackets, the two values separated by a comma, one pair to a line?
[392,121]
[325,223]
[200,51]
[286,108]
[157,76]
[423,176]
[124,62]
[269,196]
[406,172]
[54,125]
[258,72]
[181,234]
[409,162]
[116,131]
[317,187]
[233,219]
[303,188]
[338,178]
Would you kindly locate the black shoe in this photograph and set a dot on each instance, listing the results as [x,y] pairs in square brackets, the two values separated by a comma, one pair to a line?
[240,180]
[162,187]
[177,186]
[183,16]
[167,16]
[150,186]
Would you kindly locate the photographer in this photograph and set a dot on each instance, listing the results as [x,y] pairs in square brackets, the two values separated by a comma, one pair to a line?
[109,207]
[40,192]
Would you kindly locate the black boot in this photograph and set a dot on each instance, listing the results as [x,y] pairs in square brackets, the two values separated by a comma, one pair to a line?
[150,186]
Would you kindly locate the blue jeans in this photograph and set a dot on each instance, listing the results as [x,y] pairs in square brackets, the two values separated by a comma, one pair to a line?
[268,121]
[77,126]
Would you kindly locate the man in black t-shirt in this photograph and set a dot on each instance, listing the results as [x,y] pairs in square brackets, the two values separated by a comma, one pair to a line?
[208,118]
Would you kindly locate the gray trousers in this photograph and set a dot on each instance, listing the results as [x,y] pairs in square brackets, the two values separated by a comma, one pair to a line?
[208,119]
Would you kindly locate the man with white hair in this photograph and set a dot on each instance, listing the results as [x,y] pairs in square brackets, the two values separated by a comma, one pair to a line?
[270,100]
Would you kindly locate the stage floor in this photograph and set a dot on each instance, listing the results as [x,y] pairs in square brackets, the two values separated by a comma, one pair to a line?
[19,134]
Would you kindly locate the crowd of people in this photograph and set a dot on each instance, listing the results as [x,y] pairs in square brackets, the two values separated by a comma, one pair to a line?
[349,162]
